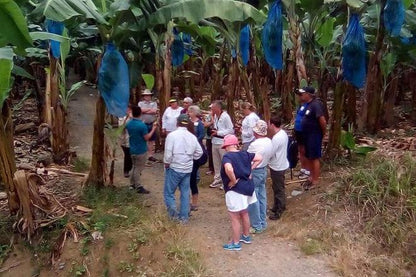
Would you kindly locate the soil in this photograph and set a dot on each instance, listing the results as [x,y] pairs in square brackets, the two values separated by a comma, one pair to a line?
[208,228]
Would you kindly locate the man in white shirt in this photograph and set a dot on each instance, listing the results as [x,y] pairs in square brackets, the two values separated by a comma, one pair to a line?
[278,165]
[181,149]
[221,126]
[263,146]
[247,125]
[169,117]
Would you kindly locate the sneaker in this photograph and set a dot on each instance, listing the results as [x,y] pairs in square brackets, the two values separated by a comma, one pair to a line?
[194,208]
[232,246]
[142,190]
[256,230]
[275,216]
[132,187]
[303,176]
[221,187]
[215,184]
[245,239]
[126,174]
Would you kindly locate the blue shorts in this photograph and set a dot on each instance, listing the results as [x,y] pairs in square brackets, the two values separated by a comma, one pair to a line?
[300,138]
[149,128]
[313,145]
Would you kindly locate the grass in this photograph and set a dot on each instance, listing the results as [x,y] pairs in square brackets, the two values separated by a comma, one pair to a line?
[186,262]
[81,164]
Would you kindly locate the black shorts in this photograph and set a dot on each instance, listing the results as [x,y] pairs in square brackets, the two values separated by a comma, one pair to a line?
[313,145]
[299,138]
[149,128]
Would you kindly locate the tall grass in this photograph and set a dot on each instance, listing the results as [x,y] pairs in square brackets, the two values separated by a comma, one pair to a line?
[384,192]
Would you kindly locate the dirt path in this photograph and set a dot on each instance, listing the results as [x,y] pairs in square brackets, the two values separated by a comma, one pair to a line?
[209,227]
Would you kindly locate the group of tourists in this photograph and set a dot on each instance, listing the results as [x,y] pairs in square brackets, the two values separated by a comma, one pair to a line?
[240,171]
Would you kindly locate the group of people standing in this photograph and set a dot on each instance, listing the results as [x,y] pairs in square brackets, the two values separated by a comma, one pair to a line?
[242,174]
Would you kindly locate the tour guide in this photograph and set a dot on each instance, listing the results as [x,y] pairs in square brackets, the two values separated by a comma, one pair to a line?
[181,149]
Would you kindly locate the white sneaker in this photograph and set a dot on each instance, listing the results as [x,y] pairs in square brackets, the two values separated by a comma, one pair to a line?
[221,187]
[215,184]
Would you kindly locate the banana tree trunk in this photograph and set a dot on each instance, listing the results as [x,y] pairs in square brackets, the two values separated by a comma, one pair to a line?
[98,161]
[288,87]
[392,92]
[216,89]
[7,157]
[413,89]
[167,71]
[336,120]
[296,39]
[55,114]
[372,100]
[233,87]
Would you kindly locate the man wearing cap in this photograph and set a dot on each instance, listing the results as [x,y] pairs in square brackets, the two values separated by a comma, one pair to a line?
[169,116]
[138,135]
[220,126]
[186,103]
[313,127]
[262,146]
[149,111]
[181,149]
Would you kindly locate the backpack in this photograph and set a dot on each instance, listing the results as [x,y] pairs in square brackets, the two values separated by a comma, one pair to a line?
[292,152]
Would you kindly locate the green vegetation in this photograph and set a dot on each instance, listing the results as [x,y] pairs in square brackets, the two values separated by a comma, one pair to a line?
[81,164]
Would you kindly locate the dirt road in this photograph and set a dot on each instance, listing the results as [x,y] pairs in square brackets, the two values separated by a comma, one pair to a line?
[209,227]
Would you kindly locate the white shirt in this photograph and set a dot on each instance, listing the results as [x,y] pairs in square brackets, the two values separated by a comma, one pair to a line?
[247,127]
[169,118]
[181,149]
[279,161]
[224,126]
[264,147]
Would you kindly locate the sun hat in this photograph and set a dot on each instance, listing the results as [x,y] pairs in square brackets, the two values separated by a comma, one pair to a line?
[310,90]
[147,92]
[188,100]
[183,119]
[229,140]
[172,100]
[260,128]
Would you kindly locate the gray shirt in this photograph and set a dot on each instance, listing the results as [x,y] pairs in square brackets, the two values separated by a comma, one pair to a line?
[148,118]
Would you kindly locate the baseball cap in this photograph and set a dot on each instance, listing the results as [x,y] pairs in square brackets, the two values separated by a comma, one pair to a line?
[310,90]
[183,119]
[229,140]
[260,128]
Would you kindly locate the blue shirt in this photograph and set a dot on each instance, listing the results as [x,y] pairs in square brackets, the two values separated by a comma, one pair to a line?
[241,162]
[137,130]
[299,116]
[310,121]
[199,130]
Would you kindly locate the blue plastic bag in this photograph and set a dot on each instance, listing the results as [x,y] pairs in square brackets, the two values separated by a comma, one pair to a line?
[354,53]
[187,40]
[394,14]
[245,44]
[113,81]
[271,36]
[177,49]
[56,28]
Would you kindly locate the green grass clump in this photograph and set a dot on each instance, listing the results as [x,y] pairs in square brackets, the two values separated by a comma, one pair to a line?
[186,261]
[81,164]
[384,192]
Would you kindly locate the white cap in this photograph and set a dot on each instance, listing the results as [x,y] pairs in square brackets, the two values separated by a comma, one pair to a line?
[188,100]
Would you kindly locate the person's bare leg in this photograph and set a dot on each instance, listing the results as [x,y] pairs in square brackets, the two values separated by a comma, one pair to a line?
[150,148]
[246,222]
[235,227]
[302,158]
[194,200]
[315,171]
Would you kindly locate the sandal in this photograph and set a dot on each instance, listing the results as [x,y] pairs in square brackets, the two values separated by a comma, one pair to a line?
[308,185]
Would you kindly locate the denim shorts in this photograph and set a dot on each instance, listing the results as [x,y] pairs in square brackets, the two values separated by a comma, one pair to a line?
[149,128]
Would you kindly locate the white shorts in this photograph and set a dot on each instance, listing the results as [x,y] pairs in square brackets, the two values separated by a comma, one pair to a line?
[237,202]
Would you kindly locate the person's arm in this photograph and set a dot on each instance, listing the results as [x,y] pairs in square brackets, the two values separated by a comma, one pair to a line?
[322,123]
[150,134]
[198,151]
[256,161]
[164,119]
[229,170]
[167,158]
[152,110]
[200,131]
[228,127]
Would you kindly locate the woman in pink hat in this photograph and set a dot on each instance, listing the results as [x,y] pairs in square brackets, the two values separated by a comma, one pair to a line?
[239,189]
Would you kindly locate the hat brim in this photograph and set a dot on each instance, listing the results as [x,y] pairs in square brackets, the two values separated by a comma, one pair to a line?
[147,94]
[173,101]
